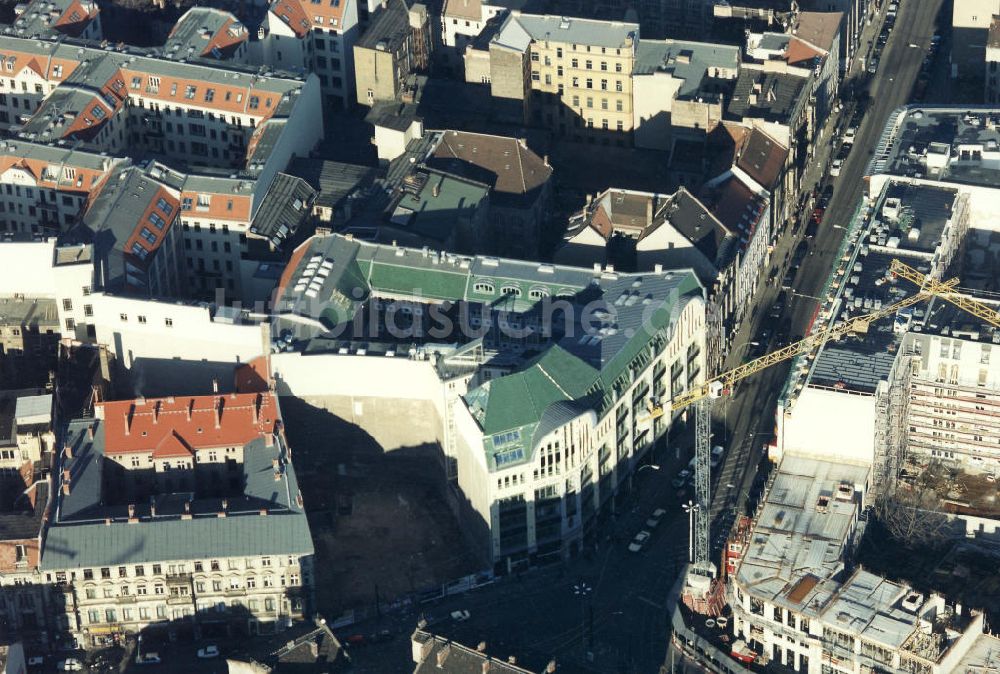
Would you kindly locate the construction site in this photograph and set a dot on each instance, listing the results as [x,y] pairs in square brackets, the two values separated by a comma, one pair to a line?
[902,349]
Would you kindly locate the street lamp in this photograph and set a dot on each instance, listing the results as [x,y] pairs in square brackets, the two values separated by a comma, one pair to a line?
[691,508]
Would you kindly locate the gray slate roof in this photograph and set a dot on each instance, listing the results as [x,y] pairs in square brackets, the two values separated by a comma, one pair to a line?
[609,34]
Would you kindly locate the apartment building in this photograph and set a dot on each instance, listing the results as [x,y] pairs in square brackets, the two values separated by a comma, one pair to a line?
[642,231]
[970,25]
[679,89]
[206,32]
[25,429]
[130,226]
[313,37]
[26,452]
[797,603]
[573,76]
[24,602]
[55,18]
[519,182]
[464,20]
[181,514]
[396,45]
[231,129]
[541,421]
[29,336]
[953,393]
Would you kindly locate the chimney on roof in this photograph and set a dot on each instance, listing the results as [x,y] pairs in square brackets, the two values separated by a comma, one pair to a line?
[190,407]
[551,667]
[481,648]
[443,654]
[436,190]
[65,488]
[658,268]
[66,475]
[269,439]
[263,512]
[545,159]
[126,415]
[187,511]
[131,514]
[255,408]
[512,659]
[649,210]
[156,411]
[107,521]
[90,434]
[152,506]
[487,666]
[68,451]
[215,386]
[217,408]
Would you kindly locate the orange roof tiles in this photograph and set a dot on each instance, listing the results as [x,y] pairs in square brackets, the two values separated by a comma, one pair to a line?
[302,15]
[799,51]
[195,422]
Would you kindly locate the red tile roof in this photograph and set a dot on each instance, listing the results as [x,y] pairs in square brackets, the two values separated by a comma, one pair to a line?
[176,426]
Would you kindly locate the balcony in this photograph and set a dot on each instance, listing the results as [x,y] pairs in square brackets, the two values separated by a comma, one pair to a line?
[178,579]
[179,599]
[235,592]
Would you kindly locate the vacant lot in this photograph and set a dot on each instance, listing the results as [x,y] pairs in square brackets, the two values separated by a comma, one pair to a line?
[379,519]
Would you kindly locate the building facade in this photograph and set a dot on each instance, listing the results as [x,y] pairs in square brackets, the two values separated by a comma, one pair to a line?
[179,513]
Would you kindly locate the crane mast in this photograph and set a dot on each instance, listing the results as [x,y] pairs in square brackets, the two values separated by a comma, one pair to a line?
[701,397]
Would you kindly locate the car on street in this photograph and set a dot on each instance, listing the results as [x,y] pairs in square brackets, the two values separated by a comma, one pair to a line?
[639,542]
[69,665]
[382,636]
[654,518]
[210,651]
[681,479]
[873,65]
[36,661]
[717,452]
[460,616]
[812,228]
[789,277]
[836,166]
[148,658]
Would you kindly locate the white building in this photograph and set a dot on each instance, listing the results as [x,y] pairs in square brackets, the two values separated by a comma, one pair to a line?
[534,447]
[796,604]
[149,531]
[314,37]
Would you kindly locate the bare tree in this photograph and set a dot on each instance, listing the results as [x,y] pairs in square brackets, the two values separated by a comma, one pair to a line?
[912,517]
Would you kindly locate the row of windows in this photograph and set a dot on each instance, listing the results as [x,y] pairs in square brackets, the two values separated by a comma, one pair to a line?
[488,288]
[95,616]
[575,63]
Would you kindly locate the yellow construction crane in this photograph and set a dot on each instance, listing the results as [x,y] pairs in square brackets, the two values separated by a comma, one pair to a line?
[702,395]
[945,292]
[717,385]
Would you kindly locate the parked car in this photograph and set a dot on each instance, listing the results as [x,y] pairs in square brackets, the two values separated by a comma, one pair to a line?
[812,228]
[148,658]
[836,166]
[36,660]
[654,518]
[789,277]
[460,616]
[70,665]
[681,479]
[850,134]
[717,452]
[382,636]
[211,651]
[639,542]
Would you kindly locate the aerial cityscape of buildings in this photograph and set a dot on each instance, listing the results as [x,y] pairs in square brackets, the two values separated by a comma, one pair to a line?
[500,336]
